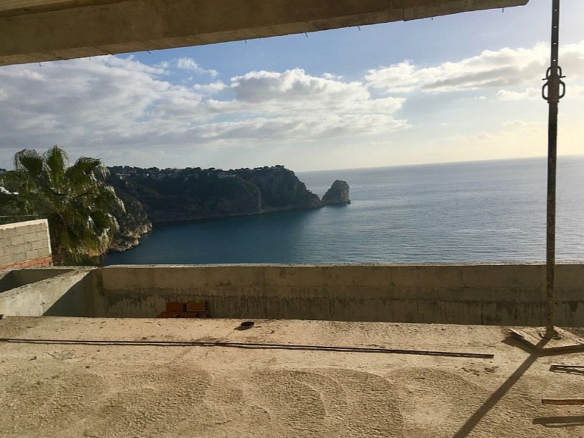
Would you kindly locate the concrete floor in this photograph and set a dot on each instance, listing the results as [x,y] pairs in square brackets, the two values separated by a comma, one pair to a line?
[142,391]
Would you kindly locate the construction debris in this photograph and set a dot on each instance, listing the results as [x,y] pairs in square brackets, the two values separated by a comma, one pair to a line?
[563,402]
[574,369]
[192,309]
[534,338]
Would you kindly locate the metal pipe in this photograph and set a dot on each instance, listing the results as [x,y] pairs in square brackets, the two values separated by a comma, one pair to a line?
[153,343]
[555,91]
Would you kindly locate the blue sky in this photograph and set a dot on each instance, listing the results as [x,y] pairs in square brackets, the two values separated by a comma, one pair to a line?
[351,52]
[455,88]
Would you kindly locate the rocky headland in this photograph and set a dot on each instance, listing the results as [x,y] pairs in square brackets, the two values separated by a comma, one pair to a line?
[153,196]
[134,223]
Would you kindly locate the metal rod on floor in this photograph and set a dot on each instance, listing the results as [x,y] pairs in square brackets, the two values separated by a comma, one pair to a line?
[563,401]
[339,349]
[553,90]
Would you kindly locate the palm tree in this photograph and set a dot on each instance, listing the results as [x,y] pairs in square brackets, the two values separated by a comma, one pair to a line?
[75,199]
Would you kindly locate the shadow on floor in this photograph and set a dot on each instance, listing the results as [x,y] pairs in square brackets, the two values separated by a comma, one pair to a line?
[496,397]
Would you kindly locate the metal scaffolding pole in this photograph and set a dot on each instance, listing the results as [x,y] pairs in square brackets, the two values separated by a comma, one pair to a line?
[553,90]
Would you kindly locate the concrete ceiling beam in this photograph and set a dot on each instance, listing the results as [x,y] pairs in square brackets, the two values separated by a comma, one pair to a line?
[47,30]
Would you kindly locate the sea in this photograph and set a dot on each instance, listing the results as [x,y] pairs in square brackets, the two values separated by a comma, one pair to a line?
[489,211]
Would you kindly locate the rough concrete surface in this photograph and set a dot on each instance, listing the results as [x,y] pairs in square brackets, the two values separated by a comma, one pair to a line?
[489,294]
[145,391]
[67,292]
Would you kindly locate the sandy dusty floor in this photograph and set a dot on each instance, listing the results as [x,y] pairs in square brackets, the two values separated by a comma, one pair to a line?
[127,391]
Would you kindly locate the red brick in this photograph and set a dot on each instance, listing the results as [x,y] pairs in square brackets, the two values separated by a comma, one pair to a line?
[189,315]
[40,262]
[196,306]
[175,307]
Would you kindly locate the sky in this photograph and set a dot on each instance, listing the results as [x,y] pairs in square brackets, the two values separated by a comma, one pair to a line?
[454,88]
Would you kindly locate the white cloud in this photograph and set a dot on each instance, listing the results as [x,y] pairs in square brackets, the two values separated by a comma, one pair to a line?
[101,101]
[296,91]
[110,103]
[119,107]
[528,94]
[380,143]
[491,69]
[535,93]
[292,86]
[293,105]
[299,128]
[191,65]
[518,123]
[574,91]
[210,88]
[332,76]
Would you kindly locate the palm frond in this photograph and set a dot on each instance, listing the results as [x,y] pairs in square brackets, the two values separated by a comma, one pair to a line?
[55,163]
[91,165]
[30,161]
[74,198]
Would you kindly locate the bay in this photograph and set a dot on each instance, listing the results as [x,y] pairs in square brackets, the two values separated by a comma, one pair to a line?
[440,213]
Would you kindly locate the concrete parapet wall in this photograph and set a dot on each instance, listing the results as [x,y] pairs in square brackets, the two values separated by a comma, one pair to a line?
[51,292]
[453,294]
[25,245]
[21,277]
[449,294]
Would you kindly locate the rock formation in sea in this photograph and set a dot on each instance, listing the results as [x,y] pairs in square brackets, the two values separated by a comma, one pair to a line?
[338,194]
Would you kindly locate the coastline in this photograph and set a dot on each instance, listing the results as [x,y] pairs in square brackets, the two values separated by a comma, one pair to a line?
[165,196]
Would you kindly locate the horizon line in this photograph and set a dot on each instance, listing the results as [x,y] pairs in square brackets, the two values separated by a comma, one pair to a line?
[443,162]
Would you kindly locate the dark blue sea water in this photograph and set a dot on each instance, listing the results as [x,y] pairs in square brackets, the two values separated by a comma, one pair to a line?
[459,212]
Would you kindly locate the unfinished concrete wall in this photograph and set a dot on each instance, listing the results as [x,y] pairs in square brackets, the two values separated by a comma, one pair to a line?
[69,292]
[25,244]
[450,294]
[21,277]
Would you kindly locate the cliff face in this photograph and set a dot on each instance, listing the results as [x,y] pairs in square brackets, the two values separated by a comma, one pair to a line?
[338,194]
[280,189]
[133,224]
[156,196]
